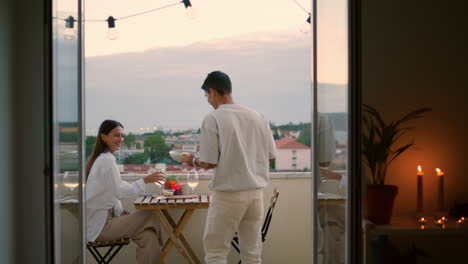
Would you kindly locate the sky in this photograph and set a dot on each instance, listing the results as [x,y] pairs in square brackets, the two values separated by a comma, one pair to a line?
[171,26]
[150,75]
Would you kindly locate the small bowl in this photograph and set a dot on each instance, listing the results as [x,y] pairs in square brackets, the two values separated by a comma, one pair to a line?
[168,192]
[179,156]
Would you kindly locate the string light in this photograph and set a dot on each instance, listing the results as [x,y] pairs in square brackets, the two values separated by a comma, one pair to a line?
[305,28]
[69,32]
[112,33]
[189,11]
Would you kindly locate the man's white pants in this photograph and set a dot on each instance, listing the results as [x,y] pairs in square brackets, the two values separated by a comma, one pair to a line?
[231,212]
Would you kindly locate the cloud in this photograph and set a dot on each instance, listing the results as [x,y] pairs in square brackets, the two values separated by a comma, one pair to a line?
[270,73]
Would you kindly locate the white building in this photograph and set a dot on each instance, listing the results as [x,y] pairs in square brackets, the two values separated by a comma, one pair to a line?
[292,155]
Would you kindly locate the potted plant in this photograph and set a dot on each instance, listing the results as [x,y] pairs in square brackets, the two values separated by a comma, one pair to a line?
[379,149]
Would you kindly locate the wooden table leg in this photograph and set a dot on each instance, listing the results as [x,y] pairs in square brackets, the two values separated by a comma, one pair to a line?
[172,240]
[181,237]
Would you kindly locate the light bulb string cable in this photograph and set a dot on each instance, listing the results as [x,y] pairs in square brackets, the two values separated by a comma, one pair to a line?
[301,7]
[125,17]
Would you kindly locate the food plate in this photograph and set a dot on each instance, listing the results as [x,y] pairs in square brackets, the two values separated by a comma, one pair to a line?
[179,156]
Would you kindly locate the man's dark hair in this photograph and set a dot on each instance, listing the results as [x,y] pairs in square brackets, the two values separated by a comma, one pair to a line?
[218,81]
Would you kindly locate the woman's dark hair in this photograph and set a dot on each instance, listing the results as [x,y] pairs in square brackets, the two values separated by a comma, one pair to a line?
[218,81]
[101,146]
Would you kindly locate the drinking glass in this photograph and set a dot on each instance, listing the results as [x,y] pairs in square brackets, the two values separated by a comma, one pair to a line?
[192,179]
[70,180]
[159,186]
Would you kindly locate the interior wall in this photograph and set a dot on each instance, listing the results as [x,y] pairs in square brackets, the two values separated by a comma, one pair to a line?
[414,55]
[6,132]
[29,126]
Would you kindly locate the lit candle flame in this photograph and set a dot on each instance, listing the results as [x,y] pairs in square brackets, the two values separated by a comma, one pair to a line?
[439,172]
[419,168]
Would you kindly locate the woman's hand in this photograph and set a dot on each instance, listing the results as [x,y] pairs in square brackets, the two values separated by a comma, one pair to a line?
[159,177]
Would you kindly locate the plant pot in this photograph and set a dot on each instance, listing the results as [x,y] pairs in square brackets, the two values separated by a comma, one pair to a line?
[378,203]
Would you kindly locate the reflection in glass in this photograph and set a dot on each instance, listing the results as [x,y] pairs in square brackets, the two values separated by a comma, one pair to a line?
[331,131]
[66,129]
[70,180]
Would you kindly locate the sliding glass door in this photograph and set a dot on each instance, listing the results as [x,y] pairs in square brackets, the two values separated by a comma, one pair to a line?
[68,221]
[331,131]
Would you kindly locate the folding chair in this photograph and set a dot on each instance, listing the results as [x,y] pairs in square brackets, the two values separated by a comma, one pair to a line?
[266,223]
[113,247]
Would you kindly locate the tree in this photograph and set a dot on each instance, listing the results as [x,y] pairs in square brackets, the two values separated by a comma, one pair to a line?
[129,140]
[138,158]
[89,145]
[157,148]
[306,136]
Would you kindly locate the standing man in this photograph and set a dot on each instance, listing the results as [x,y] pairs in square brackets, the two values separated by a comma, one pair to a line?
[237,142]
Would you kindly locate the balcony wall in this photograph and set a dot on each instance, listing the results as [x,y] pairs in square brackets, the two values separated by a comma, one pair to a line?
[288,239]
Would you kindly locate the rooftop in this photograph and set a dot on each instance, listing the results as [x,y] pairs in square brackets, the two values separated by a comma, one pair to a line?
[290,143]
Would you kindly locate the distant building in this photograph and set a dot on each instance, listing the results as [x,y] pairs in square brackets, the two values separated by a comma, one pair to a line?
[139,168]
[168,168]
[288,134]
[292,155]
[188,142]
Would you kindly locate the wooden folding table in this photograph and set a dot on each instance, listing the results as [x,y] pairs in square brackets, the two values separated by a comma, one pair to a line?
[160,207]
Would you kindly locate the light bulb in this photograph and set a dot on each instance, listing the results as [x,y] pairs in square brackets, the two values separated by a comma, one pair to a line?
[190,12]
[112,34]
[306,26]
[69,33]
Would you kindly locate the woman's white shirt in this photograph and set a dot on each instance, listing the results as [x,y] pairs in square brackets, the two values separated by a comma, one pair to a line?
[104,190]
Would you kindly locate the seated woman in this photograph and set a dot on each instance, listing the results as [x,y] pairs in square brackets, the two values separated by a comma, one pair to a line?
[105,218]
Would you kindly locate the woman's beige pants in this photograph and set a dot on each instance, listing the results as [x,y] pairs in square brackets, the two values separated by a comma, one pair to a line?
[141,227]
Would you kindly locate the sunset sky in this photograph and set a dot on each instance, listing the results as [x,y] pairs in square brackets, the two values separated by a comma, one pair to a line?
[256,30]
[171,27]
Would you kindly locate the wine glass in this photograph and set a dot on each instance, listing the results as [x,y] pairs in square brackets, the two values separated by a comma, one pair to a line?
[70,180]
[192,179]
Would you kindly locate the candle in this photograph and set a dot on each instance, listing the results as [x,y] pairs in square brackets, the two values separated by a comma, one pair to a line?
[440,200]
[422,221]
[419,193]
[440,223]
